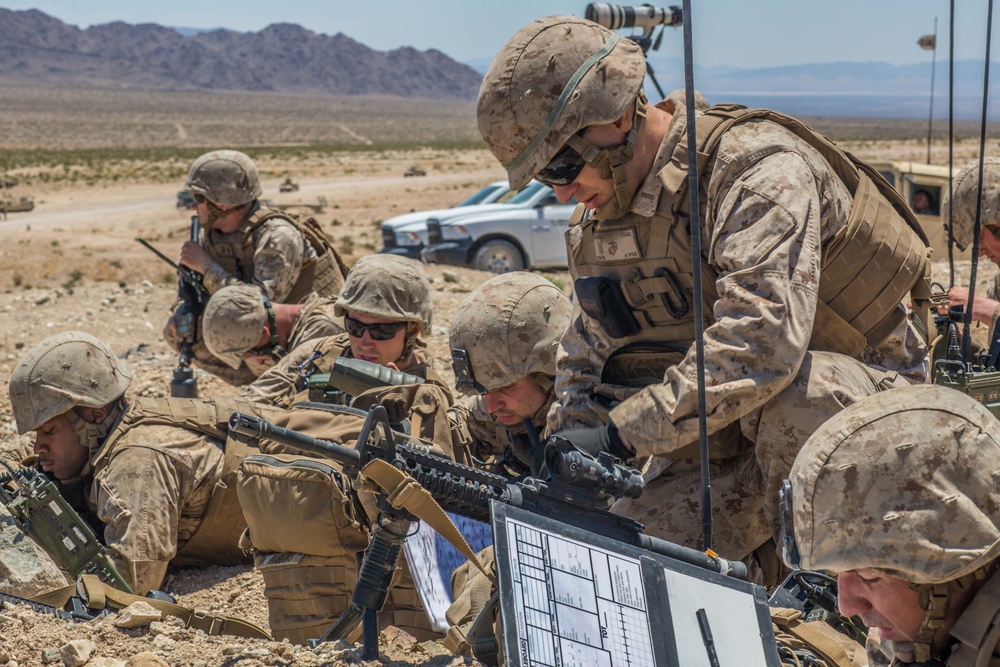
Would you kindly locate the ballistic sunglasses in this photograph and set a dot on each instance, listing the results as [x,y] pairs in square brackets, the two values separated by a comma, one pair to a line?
[376,331]
[564,167]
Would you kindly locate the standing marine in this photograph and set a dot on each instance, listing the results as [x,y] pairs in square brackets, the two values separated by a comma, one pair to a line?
[808,257]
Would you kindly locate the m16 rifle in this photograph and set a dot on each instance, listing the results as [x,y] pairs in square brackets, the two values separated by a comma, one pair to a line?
[351,377]
[41,512]
[193,298]
[578,492]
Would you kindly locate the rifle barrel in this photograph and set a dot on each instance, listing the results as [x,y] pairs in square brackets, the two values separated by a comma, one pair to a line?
[253,427]
[159,254]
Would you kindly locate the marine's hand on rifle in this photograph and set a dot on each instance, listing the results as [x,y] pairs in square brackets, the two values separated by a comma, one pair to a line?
[194,256]
[590,440]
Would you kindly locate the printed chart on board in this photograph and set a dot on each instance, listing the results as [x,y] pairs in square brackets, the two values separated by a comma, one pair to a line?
[578,605]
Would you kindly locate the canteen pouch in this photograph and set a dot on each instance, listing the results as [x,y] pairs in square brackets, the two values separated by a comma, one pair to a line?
[602,299]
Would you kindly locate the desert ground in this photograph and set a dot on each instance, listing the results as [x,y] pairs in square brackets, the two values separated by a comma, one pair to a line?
[104,171]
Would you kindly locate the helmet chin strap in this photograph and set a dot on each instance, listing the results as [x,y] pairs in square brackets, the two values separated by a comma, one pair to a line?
[92,435]
[273,348]
[611,161]
[934,598]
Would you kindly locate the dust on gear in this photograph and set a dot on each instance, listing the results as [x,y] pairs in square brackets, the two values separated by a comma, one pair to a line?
[66,370]
[225,178]
[233,322]
[387,286]
[553,78]
[510,327]
[903,482]
[918,508]
[963,215]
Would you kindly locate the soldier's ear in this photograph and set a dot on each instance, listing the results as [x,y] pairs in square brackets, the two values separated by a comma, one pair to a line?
[92,415]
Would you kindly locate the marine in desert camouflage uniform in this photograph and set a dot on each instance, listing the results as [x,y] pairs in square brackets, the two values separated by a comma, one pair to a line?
[159,473]
[503,340]
[791,337]
[897,496]
[243,329]
[985,309]
[380,289]
[243,242]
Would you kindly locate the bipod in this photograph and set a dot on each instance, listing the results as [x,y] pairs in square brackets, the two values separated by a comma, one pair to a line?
[374,579]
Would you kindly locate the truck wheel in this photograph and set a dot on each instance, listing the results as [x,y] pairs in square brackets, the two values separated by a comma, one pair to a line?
[498,256]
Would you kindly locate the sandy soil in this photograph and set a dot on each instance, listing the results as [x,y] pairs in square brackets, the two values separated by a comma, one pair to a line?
[73,264]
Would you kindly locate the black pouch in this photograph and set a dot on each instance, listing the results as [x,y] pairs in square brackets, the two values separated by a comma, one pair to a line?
[602,299]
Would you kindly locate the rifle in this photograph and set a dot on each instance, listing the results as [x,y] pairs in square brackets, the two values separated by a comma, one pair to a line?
[579,490]
[193,297]
[350,377]
[40,511]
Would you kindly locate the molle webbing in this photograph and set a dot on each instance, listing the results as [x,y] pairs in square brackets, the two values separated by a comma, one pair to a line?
[868,268]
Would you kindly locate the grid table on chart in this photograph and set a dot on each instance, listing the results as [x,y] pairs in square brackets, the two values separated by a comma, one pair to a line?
[632,648]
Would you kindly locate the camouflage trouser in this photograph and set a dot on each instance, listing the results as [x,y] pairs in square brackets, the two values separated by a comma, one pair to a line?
[760,454]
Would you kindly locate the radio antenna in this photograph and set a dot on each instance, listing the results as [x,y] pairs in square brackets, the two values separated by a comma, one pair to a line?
[699,321]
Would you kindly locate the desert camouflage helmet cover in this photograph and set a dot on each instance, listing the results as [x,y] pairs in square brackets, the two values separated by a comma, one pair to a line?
[553,78]
[63,371]
[226,178]
[234,322]
[510,327]
[905,482]
[966,186]
[387,286]
[678,99]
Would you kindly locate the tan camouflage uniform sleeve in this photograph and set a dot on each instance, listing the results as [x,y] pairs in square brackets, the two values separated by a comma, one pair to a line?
[278,384]
[581,355]
[582,352]
[280,252]
[316,320]
[139,496]
[762,235]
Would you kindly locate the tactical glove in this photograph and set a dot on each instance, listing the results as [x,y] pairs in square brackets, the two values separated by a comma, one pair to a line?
[590,440]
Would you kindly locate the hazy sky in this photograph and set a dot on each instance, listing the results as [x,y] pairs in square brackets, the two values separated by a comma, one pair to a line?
[741,33]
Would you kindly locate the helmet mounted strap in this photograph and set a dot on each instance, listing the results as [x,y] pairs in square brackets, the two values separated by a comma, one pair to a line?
[273,348]
[611,161]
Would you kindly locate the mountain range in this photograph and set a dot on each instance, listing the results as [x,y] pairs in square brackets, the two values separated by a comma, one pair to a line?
[38,49]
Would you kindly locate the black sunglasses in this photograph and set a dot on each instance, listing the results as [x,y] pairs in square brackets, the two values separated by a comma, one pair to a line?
[564,167]
[376,331]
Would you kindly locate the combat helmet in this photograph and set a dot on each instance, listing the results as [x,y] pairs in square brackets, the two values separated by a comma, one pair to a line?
[555,77]
[225,178]
[966,185]
[903,482]
[506,329]
[387,286]
[234,320]
[63,371]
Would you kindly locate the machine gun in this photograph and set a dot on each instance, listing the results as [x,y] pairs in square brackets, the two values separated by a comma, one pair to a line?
[41,512]
[578,493]
[193,297]
[349,378]
[980,378]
